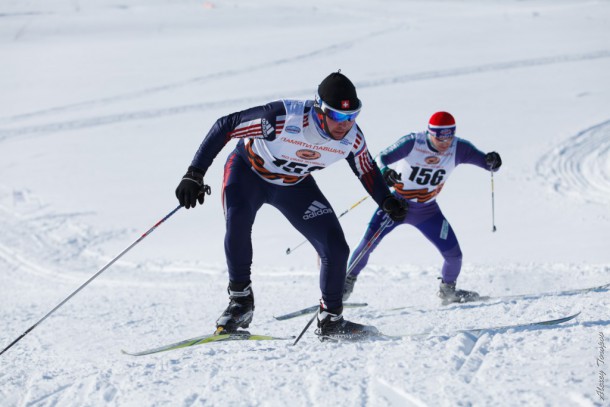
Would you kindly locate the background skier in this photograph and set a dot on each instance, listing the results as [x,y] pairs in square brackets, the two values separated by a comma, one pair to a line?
[424,162]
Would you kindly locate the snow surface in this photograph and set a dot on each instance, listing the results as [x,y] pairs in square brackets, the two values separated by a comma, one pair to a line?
[103,104]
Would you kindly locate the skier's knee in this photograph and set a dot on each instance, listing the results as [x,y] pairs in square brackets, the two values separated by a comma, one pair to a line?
[342,251]
[336,251]
[240,218]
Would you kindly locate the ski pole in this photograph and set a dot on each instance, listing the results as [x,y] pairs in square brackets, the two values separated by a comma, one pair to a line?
[306,327]
[289,250]
[493,216]
[368,245]
[111,262]
[366,248]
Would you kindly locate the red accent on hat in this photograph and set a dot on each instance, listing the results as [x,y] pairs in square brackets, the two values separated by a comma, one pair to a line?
[345,104]
[441,120]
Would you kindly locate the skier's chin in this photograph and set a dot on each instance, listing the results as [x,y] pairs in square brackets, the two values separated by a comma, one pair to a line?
[338,135]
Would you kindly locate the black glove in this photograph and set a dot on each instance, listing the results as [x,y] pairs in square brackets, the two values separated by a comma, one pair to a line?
[191,188]
[391,177]
[493,160]
[395,208]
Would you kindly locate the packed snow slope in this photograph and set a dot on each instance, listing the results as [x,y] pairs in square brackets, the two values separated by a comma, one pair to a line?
[103,104]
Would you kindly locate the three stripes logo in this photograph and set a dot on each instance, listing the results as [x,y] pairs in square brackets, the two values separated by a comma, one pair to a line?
[316,209]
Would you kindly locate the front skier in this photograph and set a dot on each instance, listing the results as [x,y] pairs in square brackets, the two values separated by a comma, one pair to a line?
[280,145]
[424,162]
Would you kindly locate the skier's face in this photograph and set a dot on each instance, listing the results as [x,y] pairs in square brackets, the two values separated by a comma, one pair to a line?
[337,123]
[338,130]
[441,144]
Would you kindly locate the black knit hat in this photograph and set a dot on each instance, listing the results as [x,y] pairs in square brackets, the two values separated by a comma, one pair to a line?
[337,91]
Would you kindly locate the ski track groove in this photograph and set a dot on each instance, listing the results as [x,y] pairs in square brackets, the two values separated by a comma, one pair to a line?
[579,166]
[97,121]
[366,388]
[394,396]
[52,397]
[328,50]
[58,248]
[55,239]
[474,358]
[25,14]
[22,264]
[28,392]
[73,394]
[190,400]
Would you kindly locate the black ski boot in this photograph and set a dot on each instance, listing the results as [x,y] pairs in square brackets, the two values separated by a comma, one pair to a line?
[348,287]
[449,294]
[332,326]
[240,311]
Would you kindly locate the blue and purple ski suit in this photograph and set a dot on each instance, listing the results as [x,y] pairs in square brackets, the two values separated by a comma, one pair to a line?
[424,170]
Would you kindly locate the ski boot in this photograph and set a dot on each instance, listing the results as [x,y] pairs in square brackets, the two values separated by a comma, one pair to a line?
[240,311]
[449,294]
[332,326]
[350,281]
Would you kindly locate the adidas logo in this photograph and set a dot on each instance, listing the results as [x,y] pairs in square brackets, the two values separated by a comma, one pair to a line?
[316,209]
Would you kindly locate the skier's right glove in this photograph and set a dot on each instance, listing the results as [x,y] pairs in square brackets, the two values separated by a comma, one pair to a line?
[395,208]
[191,188]
[391,177]
[493,160]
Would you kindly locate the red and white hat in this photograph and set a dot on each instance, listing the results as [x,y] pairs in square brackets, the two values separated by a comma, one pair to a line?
[441,124]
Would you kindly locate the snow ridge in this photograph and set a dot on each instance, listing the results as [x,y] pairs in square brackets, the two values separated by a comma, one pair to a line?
[579,167]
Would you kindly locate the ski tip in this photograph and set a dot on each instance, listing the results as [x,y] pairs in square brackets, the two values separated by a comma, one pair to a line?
[569,317]
[283,317]
[574,315]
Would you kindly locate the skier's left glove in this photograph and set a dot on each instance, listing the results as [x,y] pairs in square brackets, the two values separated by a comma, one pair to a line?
[191,188]
[395,208]
[493,160]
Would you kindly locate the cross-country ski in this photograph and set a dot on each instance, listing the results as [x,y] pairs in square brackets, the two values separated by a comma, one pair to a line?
[482,298]
[205,339]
